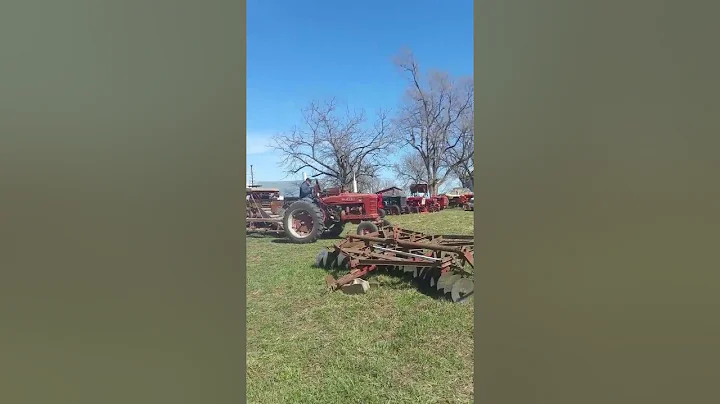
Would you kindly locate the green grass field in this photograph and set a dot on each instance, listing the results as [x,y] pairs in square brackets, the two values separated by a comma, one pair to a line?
[391,345]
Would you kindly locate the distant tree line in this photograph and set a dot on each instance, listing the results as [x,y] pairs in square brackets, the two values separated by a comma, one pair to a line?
[431,133]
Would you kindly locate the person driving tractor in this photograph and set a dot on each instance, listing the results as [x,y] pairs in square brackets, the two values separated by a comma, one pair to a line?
[306,191]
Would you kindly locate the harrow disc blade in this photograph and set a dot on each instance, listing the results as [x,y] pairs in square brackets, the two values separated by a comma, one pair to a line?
[339,261]
[441,280]
[449,282]
[321,258]
[462,290]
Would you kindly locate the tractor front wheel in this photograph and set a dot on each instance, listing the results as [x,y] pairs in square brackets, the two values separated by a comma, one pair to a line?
[366,228]
[303,222]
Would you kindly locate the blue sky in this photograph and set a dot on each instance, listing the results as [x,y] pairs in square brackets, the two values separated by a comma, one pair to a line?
[298,52]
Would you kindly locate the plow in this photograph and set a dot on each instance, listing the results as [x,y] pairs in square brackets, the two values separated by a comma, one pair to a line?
[443,262]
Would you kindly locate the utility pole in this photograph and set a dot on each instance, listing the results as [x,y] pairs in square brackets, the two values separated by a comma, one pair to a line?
[252,176]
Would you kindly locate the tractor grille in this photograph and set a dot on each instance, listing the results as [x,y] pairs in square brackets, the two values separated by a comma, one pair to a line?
[373,205]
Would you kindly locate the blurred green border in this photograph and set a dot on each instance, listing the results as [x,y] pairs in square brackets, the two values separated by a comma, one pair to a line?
[123,269]
[596,203]
[122,161]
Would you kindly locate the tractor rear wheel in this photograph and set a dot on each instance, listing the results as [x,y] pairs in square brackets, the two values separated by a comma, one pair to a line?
[394,210]
[366,227]
[303,222]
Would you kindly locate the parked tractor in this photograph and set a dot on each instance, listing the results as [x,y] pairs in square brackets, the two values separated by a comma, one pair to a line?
[418,202]
[323,215]
[395,205]
[459,197]
[470,205]
[422,201]
[438,203]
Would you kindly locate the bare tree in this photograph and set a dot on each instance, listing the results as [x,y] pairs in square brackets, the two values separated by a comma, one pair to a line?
[463,172]
[410,170]
[461,158]
[434,112]
[366,176]
[335,145]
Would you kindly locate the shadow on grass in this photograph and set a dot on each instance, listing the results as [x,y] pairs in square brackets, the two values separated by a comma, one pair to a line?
[283,240]
[262,236]
[396,280]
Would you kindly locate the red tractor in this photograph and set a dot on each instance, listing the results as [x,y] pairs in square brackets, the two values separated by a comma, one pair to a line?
[306,220]
[417,202]
[422,202]
[440,202]
[459,197]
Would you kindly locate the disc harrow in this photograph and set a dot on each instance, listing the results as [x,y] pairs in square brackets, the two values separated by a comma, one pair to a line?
[444,262]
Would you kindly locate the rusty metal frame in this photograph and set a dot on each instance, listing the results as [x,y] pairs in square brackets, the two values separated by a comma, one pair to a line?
[392,246]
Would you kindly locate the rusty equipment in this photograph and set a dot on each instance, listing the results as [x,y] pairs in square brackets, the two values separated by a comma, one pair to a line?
[459,197]
[444,262]
[264,210]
